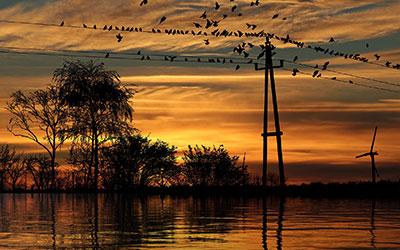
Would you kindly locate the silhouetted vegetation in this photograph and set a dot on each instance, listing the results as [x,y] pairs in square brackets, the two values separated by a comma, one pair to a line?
[40,116]
[137,161]
[205,166]
[98,106]
[87,108]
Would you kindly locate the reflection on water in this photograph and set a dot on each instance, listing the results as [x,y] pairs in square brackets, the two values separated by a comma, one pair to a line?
[53,221]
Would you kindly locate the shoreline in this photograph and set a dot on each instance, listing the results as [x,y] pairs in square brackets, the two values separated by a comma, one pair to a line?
[382,189]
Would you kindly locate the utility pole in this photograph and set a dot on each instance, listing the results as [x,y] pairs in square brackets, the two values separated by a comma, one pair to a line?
[265,127]
[269,73]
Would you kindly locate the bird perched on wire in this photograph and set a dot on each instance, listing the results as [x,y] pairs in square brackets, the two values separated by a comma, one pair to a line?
[295,71]
[234,8]
[315,73]
[237,67]
[325,66]
[251,26]
[331,40]
[143,2]
[256,3]
[62,23]
[295,58]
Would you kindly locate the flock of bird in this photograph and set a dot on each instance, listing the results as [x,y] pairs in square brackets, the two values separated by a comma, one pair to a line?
[243,48]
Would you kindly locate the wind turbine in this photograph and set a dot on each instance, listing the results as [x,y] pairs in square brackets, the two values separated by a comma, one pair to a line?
[372,153]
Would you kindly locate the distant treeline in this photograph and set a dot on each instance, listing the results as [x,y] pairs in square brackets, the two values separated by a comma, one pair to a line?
[87,106]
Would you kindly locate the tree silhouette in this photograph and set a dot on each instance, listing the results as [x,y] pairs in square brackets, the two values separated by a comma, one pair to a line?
[160,166]
[212,166]
[98,103]
[40,117]
[7,158]
[40,169]
[80,157]
[15,171]
[135,160]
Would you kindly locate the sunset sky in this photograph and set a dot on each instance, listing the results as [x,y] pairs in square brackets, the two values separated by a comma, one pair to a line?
[325,123]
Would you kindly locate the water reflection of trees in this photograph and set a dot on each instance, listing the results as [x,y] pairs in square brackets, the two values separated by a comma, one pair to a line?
[212,215]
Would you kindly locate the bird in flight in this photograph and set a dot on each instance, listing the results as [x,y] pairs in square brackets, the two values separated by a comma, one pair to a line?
[217,5]
[275,16]
[119,37]
[295,58]
[163,19]
[143,2]
[237,67]
[197,25]
[206,42]
[204,15]
[377,57]
[315,73]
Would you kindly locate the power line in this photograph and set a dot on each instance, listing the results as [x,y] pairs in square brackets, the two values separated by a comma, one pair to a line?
[142,57]
[344,73]
[219,33]
[137,53]
[344,81]
[178,59]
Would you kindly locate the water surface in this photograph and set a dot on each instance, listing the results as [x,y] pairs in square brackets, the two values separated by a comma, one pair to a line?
[112,221]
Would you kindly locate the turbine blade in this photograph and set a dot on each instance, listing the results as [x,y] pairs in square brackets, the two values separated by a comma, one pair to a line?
[359,156]
[373,139]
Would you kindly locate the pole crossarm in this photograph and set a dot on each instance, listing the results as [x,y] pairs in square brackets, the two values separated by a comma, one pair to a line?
[270,134]
[258,68]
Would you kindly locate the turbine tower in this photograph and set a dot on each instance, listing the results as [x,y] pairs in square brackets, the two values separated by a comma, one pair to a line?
[372,153]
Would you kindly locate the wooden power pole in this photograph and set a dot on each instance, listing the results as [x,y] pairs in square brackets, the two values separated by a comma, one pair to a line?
[269,75]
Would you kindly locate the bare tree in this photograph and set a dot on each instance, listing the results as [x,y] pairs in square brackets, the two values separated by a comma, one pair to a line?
[40,169]
[15,171]
[40,117]
[7,158]
[80,156]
